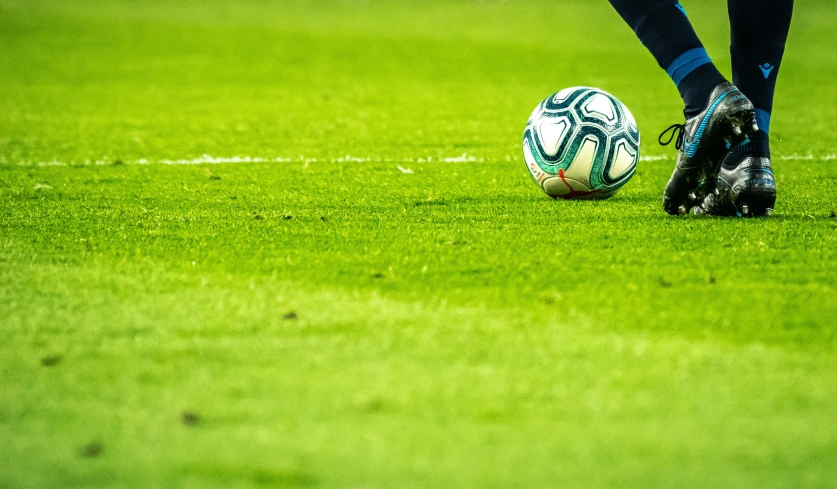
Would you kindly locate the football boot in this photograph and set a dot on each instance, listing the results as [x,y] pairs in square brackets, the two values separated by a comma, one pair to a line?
[745,185]
[726,119]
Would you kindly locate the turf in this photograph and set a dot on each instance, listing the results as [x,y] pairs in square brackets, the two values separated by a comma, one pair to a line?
[375,294]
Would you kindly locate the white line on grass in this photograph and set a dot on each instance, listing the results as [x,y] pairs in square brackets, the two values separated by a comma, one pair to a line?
[463,158]
[798,157]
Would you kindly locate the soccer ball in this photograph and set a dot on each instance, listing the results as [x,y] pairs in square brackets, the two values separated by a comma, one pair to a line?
[581,143]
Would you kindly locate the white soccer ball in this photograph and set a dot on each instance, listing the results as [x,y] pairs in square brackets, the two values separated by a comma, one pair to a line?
[581,143]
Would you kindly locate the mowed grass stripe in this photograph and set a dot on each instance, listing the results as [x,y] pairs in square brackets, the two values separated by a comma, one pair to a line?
[303,395]
[471,232]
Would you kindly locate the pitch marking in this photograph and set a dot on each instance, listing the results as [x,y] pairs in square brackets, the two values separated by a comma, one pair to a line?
[464,158]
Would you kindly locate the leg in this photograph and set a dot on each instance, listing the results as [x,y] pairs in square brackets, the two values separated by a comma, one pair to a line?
[759,30]
[664,29]
[716,112]
[745,184]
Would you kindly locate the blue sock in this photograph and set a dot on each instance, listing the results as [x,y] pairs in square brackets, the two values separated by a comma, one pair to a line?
[763,120]
[665,30]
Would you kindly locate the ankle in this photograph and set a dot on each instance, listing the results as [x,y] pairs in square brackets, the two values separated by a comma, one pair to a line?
[696,87]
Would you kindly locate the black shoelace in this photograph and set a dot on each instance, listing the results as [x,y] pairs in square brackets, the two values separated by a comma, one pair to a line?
[676,133]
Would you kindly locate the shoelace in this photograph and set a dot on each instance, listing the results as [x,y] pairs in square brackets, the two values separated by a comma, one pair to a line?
[677,133]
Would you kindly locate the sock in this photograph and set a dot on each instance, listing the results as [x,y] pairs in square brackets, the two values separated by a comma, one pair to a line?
[756,144]
[665,30]
[763,119]
[759,29]
[696,86]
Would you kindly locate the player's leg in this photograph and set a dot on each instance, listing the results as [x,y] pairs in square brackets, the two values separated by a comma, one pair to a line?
[759,30]
[715,110]
[664,29]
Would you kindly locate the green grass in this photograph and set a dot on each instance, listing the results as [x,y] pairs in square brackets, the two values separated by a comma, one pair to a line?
[451,327]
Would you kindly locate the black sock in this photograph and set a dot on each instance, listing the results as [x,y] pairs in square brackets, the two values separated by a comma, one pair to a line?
[759,29]
[664,29]
[696,87]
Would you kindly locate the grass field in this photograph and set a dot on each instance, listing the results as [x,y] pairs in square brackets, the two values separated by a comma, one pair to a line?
[294,244]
